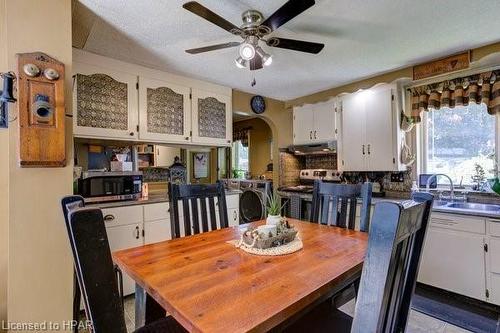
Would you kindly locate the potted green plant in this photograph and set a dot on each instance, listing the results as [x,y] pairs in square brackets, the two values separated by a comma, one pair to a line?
[274,209]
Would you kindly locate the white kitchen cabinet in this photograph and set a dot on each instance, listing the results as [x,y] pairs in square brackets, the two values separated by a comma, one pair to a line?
[314,123]
[494,289]
[324,122]
[370,136]
[124,237]
[454,261]
[104,103]
[118,100]
[352,145]
[211,118]
[303,125]
[164,111]
[379,136]
[157,231]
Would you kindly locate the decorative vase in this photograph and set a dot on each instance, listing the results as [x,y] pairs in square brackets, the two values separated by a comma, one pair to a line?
[273,219]
[494,184]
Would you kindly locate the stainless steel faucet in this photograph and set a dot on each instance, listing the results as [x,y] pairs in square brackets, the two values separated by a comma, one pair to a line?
[441,197]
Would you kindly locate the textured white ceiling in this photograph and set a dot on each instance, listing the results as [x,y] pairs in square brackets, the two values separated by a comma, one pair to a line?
[362,38]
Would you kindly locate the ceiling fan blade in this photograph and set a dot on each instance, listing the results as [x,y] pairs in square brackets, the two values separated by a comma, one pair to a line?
[256,62]
[296,45]
[196,8]
[287,12]
[212,47]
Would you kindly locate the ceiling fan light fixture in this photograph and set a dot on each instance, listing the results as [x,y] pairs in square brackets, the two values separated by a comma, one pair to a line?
[247,51]
[240,62]
[267,59]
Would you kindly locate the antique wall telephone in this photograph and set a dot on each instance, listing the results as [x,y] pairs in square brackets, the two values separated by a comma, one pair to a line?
[6,97]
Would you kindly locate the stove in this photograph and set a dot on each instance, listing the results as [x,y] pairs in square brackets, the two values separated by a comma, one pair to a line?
[308,176]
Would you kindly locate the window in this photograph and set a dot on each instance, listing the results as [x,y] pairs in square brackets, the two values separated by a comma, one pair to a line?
[458,141]
[240,159]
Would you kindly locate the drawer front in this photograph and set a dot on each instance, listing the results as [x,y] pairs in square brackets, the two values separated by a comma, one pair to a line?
[158,211]
[494,227]
[458,223]
[494,254]
[122,215]
[232,201]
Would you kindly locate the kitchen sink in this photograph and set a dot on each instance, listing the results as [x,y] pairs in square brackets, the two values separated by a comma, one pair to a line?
[466,207]
[474,206]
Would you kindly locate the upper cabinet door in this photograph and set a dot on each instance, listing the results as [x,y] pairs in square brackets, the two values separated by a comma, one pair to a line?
[303,123]
[324,122]
[353,148]
[164,111]
[380,130]
[211,118]
[104,103]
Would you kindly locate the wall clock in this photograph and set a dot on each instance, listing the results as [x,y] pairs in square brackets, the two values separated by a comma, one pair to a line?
[258,104]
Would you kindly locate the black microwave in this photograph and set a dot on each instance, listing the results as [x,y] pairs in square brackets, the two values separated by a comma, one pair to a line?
[110,186]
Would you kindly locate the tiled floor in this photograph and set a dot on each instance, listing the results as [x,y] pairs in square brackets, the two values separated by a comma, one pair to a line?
[419,323]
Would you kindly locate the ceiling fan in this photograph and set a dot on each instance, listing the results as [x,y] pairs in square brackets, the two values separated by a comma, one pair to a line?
[255,29]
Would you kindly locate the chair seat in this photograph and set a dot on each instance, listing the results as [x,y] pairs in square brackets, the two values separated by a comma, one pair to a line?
[323,318]
[164,325]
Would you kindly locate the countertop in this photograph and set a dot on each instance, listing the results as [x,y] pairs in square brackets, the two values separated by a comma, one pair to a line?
[439,209]
[151,199]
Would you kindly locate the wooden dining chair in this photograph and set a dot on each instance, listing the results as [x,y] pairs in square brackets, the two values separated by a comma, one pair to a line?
[389,273]
[198,205]
[335,204]
[96,276]
[70,203]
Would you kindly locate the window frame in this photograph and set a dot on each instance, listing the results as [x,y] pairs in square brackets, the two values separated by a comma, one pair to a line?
[422,145]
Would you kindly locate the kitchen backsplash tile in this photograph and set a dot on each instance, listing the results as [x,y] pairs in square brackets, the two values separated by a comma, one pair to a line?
[321,161]
[290,165]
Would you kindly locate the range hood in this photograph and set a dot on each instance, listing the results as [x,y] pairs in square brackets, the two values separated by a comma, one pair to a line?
[326,148]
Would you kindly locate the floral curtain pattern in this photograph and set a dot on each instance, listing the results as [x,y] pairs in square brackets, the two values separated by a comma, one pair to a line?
[478,88]
[241,135]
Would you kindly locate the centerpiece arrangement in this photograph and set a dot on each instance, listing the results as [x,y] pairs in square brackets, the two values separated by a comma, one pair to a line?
[276,237]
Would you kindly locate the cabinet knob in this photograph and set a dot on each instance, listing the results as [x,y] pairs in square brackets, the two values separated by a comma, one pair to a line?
[131,133]
[137,234]
[368,149]
[363,149]
[315,135]
[187,137]
[310,135]
[109,217]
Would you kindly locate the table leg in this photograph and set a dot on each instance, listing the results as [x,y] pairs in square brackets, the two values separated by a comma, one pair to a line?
[147,310]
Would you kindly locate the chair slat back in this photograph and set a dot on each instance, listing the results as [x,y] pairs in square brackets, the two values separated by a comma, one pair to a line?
[200,203]
[335,204]
[95,272]
[391,264]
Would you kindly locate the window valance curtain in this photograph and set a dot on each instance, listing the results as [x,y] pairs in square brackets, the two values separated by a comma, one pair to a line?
[478,88]
[241,135]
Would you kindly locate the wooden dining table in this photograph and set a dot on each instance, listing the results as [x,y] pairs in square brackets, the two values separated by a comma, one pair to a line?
[209,285]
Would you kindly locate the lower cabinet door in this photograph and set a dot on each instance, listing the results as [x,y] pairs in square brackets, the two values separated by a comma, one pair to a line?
[233,216]
[124,237]
[494,289]
[157,231]
[454,261]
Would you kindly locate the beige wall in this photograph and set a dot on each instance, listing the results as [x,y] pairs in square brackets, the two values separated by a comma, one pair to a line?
[477,55]
[4,182]
[39,263]
[260,144]
[276,116]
